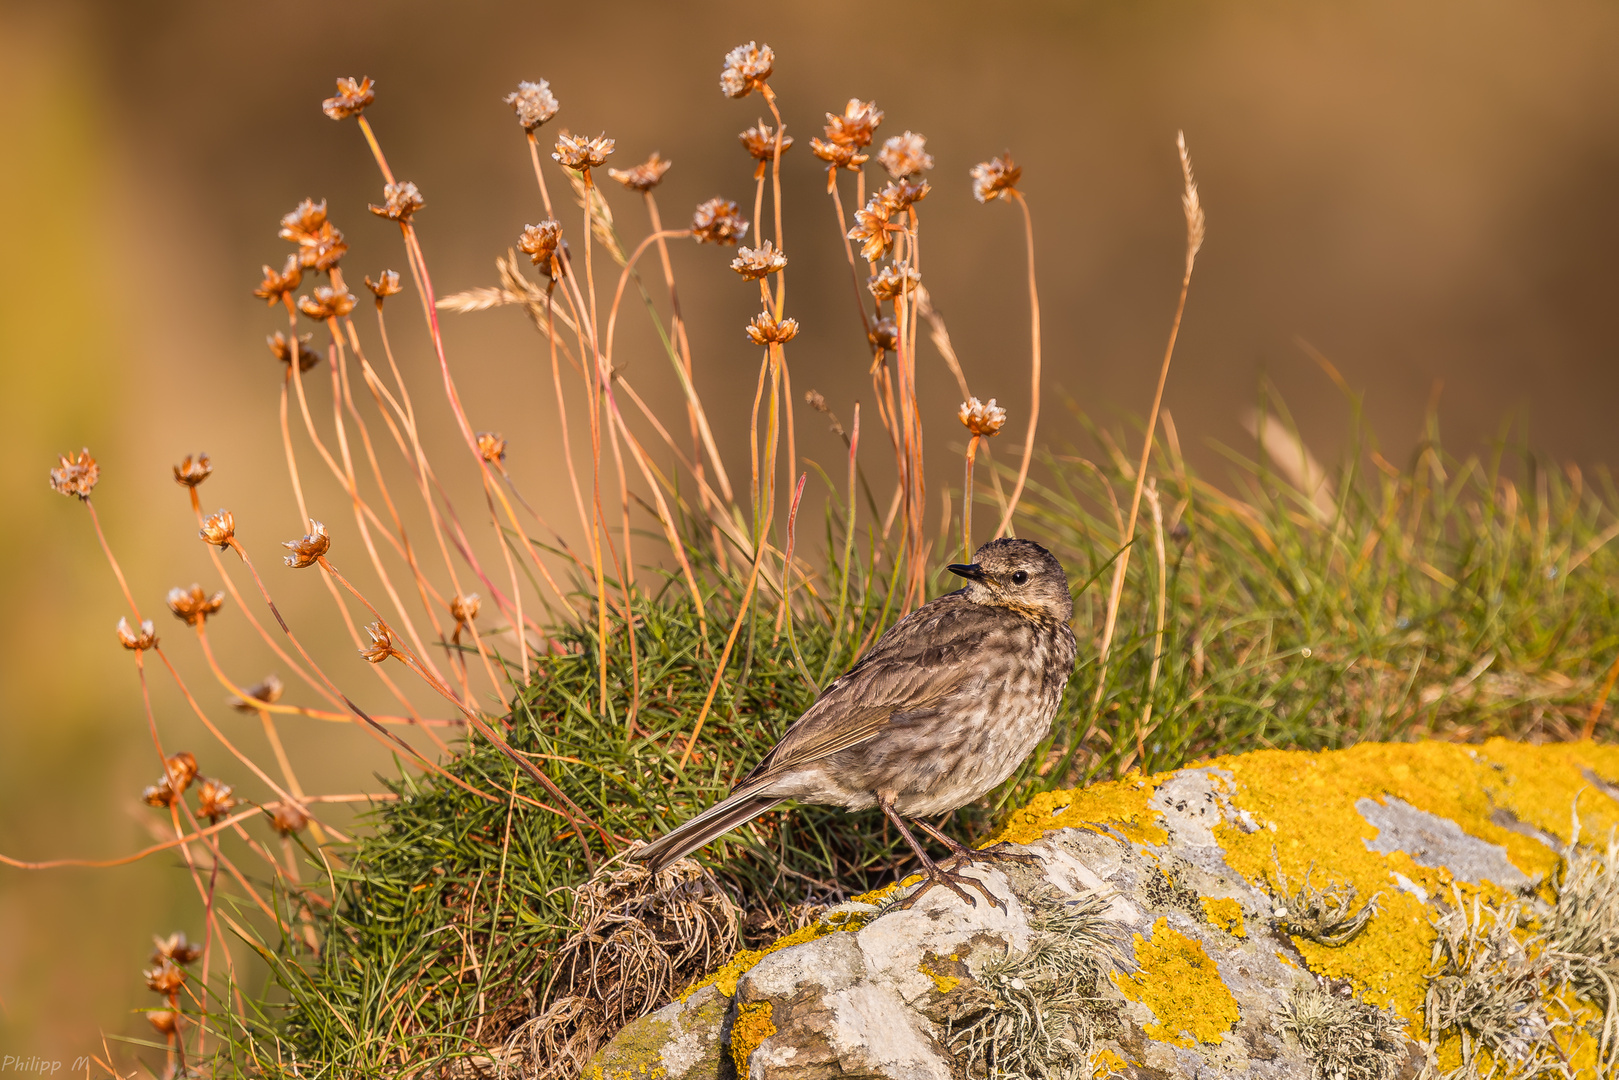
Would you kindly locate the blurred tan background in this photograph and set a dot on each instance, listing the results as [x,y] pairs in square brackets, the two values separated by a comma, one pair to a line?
[1424,192]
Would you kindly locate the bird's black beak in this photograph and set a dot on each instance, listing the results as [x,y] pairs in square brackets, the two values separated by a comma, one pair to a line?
[972,572]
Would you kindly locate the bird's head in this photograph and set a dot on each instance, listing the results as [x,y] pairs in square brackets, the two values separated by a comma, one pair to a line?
[1018,574]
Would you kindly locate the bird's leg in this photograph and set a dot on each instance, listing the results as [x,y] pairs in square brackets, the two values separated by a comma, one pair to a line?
[960,854]
[932,872]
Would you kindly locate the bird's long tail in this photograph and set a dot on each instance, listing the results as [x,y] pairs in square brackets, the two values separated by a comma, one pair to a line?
[717,820]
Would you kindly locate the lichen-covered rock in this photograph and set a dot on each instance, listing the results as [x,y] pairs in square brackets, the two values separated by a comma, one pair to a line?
[1213,921]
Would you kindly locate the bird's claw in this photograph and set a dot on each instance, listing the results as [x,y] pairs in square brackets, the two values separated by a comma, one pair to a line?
[950,879]
[994,853]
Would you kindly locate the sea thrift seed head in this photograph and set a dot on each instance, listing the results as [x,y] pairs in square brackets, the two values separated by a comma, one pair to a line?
[219,530]
[76,475]
[642,177]
[166,1021]
[287,817]
[193,470]
[492,446]
[582,152]
[320,243]
[856,126]
[215,799]
[905,155]
[382,643]
[386,285]
[465,608]
[893,280]
[871,228]
[899,196]
[352,98]
[539,242]
[327,303]
[281,348]
[165,978]
[746,69]
[755,263]
[160,794]
[175,949]
[192,606]
[267,692]
[884,335]
[760,142]
[838,155]
[995,179]
[764,330]
[181,770]
[309,547]
[533,103]
[399,201]
[718,221]
[137,642]
[277,285]
[981,418]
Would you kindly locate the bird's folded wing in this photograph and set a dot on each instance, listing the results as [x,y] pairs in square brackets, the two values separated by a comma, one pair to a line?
[904,672]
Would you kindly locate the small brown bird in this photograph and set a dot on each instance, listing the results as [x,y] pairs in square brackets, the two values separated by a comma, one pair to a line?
[941,709]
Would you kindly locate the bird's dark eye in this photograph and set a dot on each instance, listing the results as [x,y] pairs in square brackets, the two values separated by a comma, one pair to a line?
[1020,577]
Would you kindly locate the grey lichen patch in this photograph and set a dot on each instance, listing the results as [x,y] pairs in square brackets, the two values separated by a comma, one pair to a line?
[1434,841]
[1327,916]
[1345,1038]
[1583,934]
[685,1040]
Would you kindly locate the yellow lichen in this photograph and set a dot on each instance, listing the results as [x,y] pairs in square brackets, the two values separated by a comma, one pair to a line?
[1180,984]
[943,981]
[725,978]
[1106,1063]
[1224,913]
[751,1027]
[1121,804]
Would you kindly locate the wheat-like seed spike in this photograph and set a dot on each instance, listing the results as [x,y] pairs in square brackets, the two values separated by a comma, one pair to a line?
[1191,203]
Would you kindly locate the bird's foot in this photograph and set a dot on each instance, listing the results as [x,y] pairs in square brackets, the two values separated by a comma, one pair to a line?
[1001,852]
[934,874]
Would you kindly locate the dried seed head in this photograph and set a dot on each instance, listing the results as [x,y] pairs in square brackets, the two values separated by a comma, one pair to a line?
[382,643]
[760,141]
[884,335]
[175,949]
[159,794]
[281,348]
[181,769]
[1191,203]
[327,303]
[755,263]
[137,642]
[351,100]
[533,102]
[815,400]
[539,242]
[872,229]
[838,155]
[287,817]
[995,179]
[76,475]
[764,330]
[581,152]
[399,201]
[267,692]
[320,243]
[193,470]
[465,608]
[214,799]
[165,978]
[219,530]
[166,1021]
[892,280]
[981,418]
[309,547]
[276,286]
[643,177]
[856,126]
[718,221]
[492,446]
[900,196]
[193,606]
[386,285]
[746,69]
[905,155]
